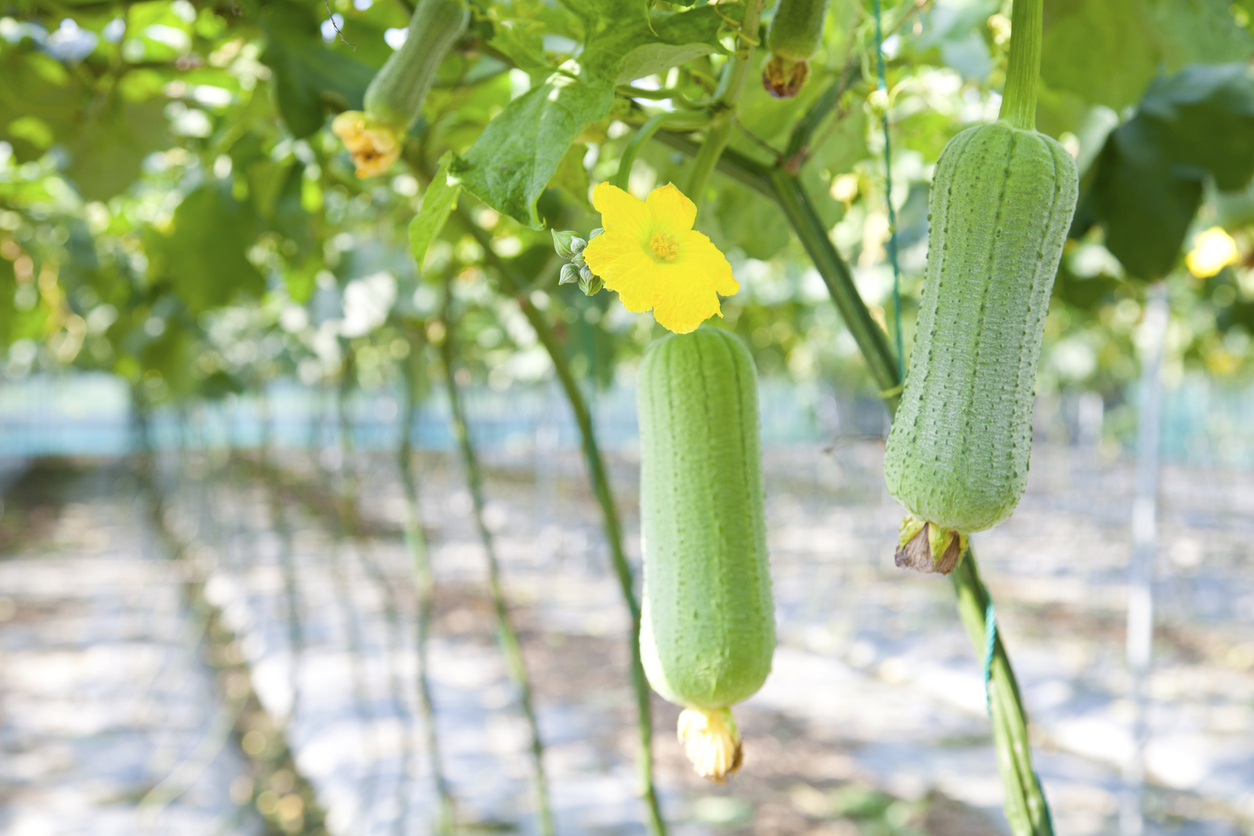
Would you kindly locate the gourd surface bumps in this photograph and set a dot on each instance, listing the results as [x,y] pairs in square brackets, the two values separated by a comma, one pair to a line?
[796,30]
[1001,205]
[708,628]
[397,92]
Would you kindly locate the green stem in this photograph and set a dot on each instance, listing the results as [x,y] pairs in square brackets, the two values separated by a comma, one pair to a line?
[839,280]
[726,97]
[510,644]
[517,285]
[1025,804]
[816,114]
[424,585]
[350,513]
[678,98]
[732,163]
[707,158]
[1018,102]
[623,176]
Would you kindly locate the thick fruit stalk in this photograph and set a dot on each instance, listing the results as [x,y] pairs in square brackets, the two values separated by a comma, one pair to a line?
[794,36]
[708,631]
[1001,205]
[396,94]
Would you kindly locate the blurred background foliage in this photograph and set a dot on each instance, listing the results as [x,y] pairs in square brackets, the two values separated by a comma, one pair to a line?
[175,210]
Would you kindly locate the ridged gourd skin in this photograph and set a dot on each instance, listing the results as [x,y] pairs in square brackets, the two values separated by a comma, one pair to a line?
[1001,204]
[708,626]
[397,92]
[797,28]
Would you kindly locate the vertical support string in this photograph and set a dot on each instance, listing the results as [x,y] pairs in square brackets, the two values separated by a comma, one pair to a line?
[882,86]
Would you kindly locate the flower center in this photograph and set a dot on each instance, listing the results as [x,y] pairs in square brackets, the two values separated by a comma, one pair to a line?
[664,246]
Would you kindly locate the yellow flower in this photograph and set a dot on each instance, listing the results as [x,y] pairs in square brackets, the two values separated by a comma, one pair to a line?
[373,145]
[1213,250]
[650,254]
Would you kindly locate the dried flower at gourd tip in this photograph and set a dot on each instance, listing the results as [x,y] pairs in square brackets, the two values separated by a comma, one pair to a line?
[373,145]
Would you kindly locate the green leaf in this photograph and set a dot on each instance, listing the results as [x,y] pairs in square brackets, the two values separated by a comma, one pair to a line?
[109,150]
[523,45]
[630,50]
[1197,31]
[1145,204]
[1101,51]
[516,155]
[309,77]
[204,254]
[1148,181]
[571,176]
[301,279]
[1108,52]
[291,219]
[437,203]
[1207,117]
[513,160]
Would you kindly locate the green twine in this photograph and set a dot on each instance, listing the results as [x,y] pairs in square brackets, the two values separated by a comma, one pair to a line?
[990,643]
[882,84]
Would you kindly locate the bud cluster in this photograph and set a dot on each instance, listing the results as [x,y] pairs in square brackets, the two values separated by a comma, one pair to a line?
[570,247]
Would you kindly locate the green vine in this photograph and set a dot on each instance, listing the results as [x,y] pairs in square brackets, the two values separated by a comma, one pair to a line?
[424,585]
[507,635]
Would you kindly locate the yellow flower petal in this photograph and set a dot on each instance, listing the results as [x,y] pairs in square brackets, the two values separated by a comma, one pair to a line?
[681,304]
[650,255]
[620,212]
[626,268]
[698,254]
[671,210]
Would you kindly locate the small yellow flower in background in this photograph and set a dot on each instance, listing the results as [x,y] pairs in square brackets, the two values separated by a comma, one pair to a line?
[373,146]
[1213,250]
[653,258]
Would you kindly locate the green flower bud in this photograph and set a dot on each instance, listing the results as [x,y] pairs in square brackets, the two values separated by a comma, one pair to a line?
[562,240]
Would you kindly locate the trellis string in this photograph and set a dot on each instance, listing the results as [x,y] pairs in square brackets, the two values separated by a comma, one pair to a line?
[882,85]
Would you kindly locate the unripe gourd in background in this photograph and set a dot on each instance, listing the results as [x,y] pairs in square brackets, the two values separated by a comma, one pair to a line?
[794,36]
[1001,203]
[708,629]
[394,99]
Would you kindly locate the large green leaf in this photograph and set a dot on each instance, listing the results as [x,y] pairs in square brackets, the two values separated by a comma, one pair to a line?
[1197,31]
[1145,202]
[38,102]
[515,157]
[1207,114]
[109,148]
[106,134]
[626,44]
[437,204]
[513,160]
[309,77]
[1148,180]
[1108,52]
[572,177]
[203,255]
[1100,51]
